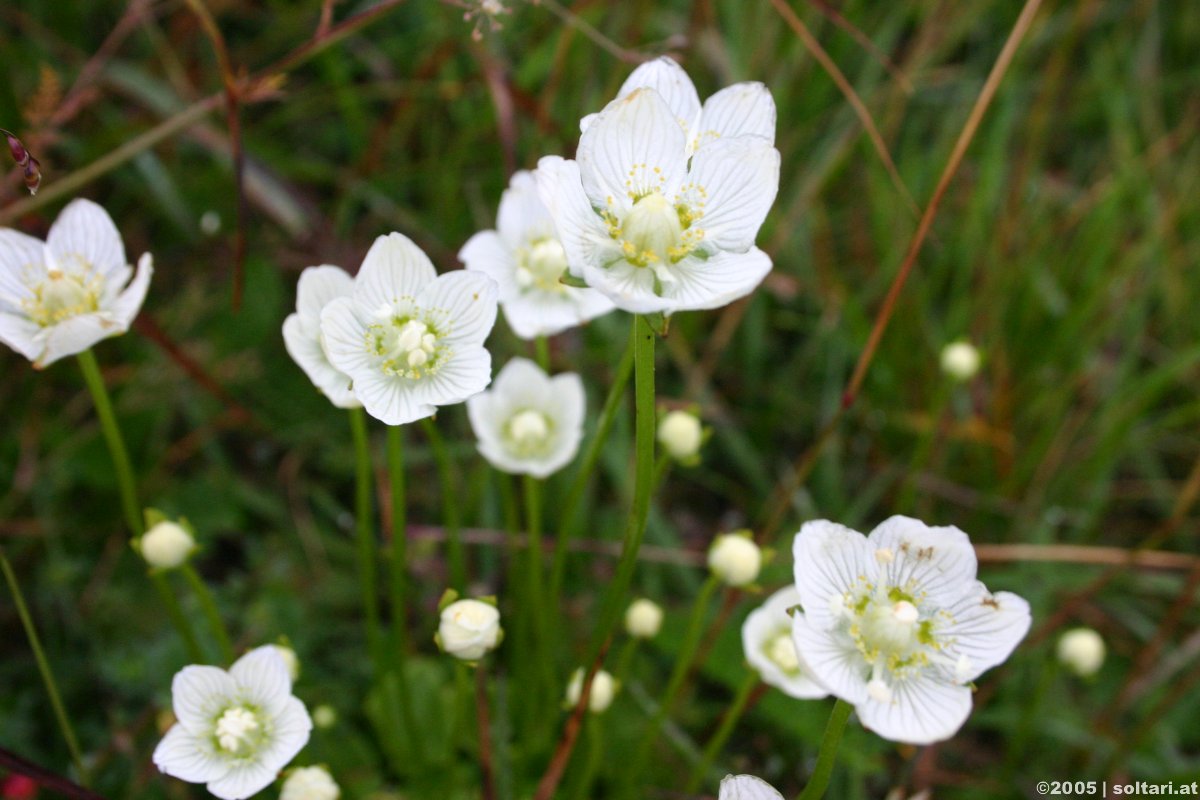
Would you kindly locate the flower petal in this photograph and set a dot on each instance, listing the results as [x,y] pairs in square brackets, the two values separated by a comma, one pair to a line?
[199,694]
[466,373]
[716,281]
[743,109]
[538,313]
[344,328]
[486,252]
[939,562]
[74,335]
[262,678]
[318,286]
[244,779]
[392,401]
[21,335]
[830,659]
[920,711]
[129,302]
[764,624]
[394,268]
[306,351]
[666,77]
[22,262]
[747,787]
[523,384]
[580,229]
[522,215]
[986,628]
[461,305]
[635,147]
[734,181]
[84,235]
[290,730]
[189,757]
[829,560]
[630,288]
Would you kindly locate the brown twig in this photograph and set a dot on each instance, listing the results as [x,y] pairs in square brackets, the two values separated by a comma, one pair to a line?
[45,778]
[562,753]
[495,75]
[857,34]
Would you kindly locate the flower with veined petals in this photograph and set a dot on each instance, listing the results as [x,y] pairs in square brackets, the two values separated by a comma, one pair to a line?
[896,624]
[318,286]
[235,729]
[660,208]
[747,787]
[768,646]
[61,296]
[410,340]
[525,258]
[529,423]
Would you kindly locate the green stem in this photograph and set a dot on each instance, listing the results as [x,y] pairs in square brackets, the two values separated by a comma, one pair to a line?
[721,735]
[116,444]
[644,420]
[35,644]
[182,625]
[566,521]
[535,604]
[542,348]
[209,606]
[368,570]
[450,509]
[819,782]
[399,583]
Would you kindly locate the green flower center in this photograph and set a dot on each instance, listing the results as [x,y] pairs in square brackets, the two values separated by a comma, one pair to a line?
[62,296]
[527,432]
[781,651]
[408,347]
[239,731]
[541,265]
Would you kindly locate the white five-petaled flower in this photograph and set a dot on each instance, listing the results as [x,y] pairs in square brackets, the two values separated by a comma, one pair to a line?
[897,624]
[529,423]
[318,286]
[235,729]
[747,787]
[410,340]
[523,255]
[767,643]
[61,296]
[661,206]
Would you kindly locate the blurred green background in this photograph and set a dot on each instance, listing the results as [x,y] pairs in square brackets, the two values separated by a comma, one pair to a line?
[1065,250]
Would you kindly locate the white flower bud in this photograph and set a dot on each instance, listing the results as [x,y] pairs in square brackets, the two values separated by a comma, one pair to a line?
[735,559]
[469,628]
[679,433]
[324,716]
[310,783]
[289,660]
[167,545]
[1082,651]
[603,690]
[643,618]
[210,223]
[960,360]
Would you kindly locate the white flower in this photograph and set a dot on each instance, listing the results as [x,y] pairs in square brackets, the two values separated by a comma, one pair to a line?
[643,618]
[310,783]
[318,286]
[469,629]
[1082,650]
[747,787]
[960,360]
[896,623]
[767,642]
[604,688]
[410,340]
[529,423]
[660,208]
[735,558]
[235,729]
[523,255]
[680,435]
[166,545]
[61,296]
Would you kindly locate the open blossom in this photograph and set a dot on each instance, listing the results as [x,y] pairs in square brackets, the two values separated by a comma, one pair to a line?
[318,286]
[660,208]
[529,423]
[410,340]
[235,729]
[747,787]
[767,643]
[524,257]
[896,623]
[61,296]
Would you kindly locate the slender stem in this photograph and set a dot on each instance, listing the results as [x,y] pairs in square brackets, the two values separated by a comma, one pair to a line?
[819,782]
[182,625]
[721,735]
[485,735]
[644,420]
[368,570]
[209,606]
[566,521]
[116,444]
[542,348]
[35,644]
[399,584]
[450,509]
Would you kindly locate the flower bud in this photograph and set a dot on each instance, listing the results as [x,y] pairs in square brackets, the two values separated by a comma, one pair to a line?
[735,559]
[601,696]
[680,435]
[324,717]
[469,629]
[960,360]
[310,783]
[289,660]
[166,545]
[1082,651]
[643,618]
